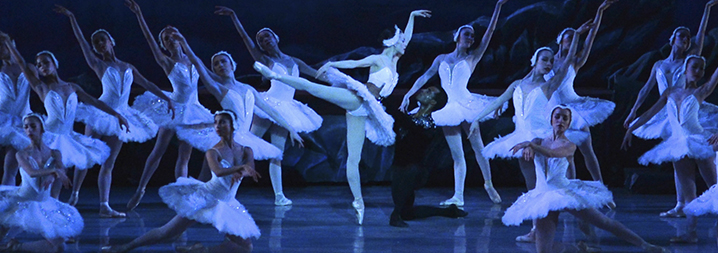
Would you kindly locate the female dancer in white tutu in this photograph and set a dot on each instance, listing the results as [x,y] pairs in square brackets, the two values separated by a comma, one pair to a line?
[212,202]
[117,78]
[702,205]
[29,207]
[14,103]
[592,110]
[530,97]
[183,77]
[280,96]
[365,115]
[687,145]
[462,106]
[236,96]
[555,193]
[60,99]
[667,73]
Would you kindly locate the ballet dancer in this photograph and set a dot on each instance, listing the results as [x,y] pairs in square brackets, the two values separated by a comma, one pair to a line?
[117,78]
[702,205]
[60,99]
[280,96]
[555,193]
[462,107]
[530,98]
[212,202]
[14,103]
[188,111]
[592,110]
[22,205]
[365,115]
[687,146]
[667,73]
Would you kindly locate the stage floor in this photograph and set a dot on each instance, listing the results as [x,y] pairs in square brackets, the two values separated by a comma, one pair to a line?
[322,220]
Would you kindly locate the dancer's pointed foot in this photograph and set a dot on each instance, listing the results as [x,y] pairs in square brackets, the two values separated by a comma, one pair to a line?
[265,71]
[135,200]
[281,200]
[583,247]
[676,212]
[493,195]
[455,200]
[74,197]
[358,205]
[654,248]
[530,237]
[111,249]
[107,212]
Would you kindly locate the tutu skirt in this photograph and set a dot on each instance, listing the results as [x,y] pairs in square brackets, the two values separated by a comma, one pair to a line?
[11,132]
[705,204]
[297,114]
[456,112]
[78,150]
[262,149]
[142,128]
[44,215]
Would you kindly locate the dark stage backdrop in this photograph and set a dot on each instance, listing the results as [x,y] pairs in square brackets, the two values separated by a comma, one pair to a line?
[633,35]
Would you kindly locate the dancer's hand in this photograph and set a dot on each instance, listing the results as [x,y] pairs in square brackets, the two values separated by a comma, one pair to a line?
[404,104]
[123,122]
[224,11]
[520,146]
[626,141]
[296,139]
[528,154]
[585,26]
[248,171]
[64,11]
[629,120]
[474,129]
[134,7]
[421,13]
[711,3]
[502,2]
[60,175]
[47,182]
[171,108]
[606,4]
[324,68]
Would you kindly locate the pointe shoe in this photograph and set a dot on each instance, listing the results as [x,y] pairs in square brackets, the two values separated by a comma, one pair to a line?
[458,201]
[74,197]
[265,71]
[676,212]
[493,195]
[107,212]
[135,200]
[654,248]
[530,237]
[358,205]
[281,200]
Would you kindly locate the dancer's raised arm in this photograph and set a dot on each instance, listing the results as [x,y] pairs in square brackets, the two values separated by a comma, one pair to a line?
[165,62]
[409,30]
[496,104]
[642,95]
[210,79]
[555,82]
[481,49]
[253,49]
[707,88]
[700,37]
[83,97]
[591,37]
[92,60]
[566,149]
[30,73]
[419,83]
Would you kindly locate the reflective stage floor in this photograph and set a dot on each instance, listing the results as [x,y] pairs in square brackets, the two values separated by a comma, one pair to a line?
[322,220]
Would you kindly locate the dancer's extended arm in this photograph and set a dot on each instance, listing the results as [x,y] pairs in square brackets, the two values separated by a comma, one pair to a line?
[92,60]
[495,105]
[700,37]
[165,62]
[30,73]
[591,37]
[481,49]
[433,69]
[644,118]
[211,80]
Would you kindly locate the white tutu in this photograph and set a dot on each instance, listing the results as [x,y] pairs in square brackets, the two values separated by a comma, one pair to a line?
[379,124]
[592,110]
[705,204]
[31,209]
[465,110]
[687,138]
[281,97]
[554,192]
[11,132]
[212,203]
[142,128]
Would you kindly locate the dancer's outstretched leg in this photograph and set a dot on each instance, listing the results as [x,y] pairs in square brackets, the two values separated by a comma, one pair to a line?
[355,143]
[600,220]
[10,166]
[453,138]
[164,136]
[477,144]
[173,228]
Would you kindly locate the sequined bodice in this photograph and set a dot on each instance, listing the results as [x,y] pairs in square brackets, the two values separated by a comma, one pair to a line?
[116,87]
[184,83]
[550,171]
[60,113]
[243,106]
[279,89]
[384,79]
[530,110]
[454,81]
[31,187]
[685,115]
[663,80]
[222,187]
[14,98]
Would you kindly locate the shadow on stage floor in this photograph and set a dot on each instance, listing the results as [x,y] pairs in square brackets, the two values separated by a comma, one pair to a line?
[322,220]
